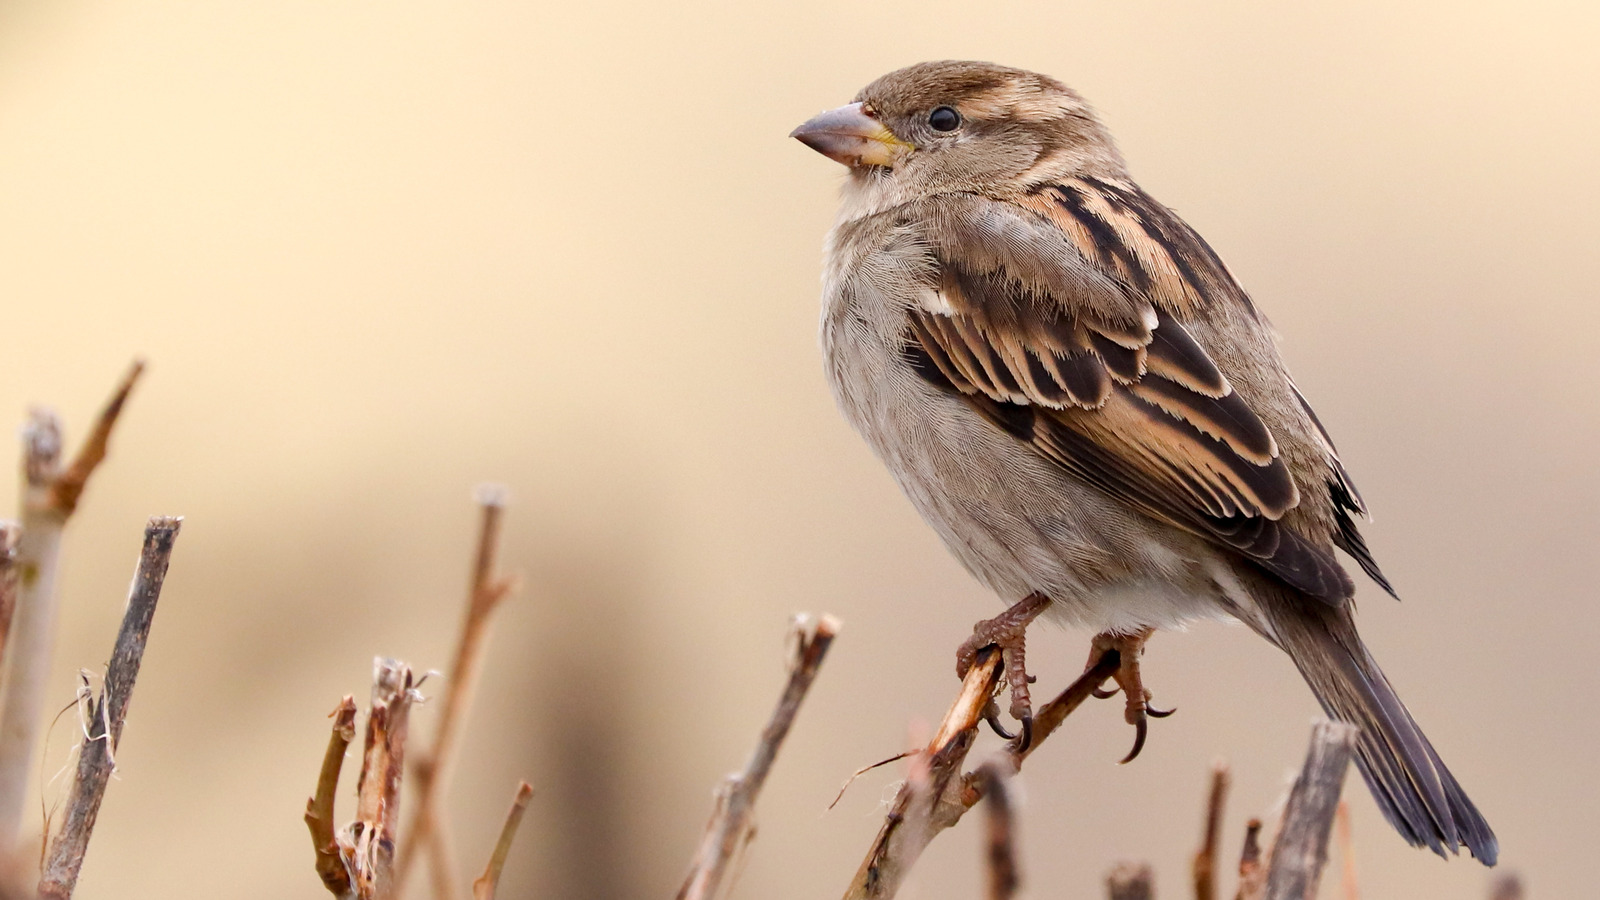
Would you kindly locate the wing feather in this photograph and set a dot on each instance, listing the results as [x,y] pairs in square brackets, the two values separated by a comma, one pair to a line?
[1118,393]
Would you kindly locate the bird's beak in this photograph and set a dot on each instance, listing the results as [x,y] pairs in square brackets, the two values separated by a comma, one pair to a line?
[850,135]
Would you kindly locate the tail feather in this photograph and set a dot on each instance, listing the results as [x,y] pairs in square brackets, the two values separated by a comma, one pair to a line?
[1415,791]
[1474,831]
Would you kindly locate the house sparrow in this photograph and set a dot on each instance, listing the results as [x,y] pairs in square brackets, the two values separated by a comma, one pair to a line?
[1077,394]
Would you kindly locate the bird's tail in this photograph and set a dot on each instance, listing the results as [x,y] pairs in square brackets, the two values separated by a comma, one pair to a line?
[1417,794]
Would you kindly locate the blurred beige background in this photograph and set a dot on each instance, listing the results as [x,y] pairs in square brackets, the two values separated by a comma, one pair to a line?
[378,252]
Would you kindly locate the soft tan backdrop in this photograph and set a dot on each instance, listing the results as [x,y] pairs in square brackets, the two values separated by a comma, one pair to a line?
[377,252]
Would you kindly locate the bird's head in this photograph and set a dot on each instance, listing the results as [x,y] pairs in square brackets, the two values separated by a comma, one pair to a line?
[970,126]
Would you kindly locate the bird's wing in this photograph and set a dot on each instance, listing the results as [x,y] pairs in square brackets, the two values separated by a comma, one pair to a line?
[1347,502]
[1060,318]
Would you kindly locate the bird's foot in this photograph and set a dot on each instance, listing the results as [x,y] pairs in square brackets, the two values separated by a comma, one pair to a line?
[1007,632]
[1128,647]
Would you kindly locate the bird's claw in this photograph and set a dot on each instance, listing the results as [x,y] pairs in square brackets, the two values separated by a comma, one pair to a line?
[1129,683]
[1006,633]
[1140,730]
[1026,740]
[991,714]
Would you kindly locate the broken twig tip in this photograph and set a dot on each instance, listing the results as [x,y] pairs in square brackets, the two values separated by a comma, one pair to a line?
[106,715]
[1001,854]
[491,494]
[484,887]
[1301,848]
[1131,881]
[1507,887]
[1203,870]
[732,826]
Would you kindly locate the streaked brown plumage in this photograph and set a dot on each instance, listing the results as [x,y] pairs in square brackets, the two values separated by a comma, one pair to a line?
[1076,393]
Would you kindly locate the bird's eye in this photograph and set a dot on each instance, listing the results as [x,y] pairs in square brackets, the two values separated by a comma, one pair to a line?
[944,119]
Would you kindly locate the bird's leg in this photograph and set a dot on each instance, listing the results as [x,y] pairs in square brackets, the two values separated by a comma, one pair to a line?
[1007,632]
[1128,647]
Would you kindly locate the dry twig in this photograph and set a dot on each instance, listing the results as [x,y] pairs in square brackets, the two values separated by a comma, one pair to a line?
[486,884]
[1506,887]
[925,806]
[1204,868]
[66,487]
[1001,853]
[1131,881]
[319,809]
[9,532]
[868,768]
[1349,885]
[731,826]
[1252,874]
[1301,847]
[96,756]
[367,844]
[49,496]
[431,769]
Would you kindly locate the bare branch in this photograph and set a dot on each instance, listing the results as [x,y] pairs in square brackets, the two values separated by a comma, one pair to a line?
[1252,874]
[1131,881]
[1052,714]
[731,826]
[436,841]
[33,624]
[96,758]
[1001,853]
[1301,847]
[486,592]
[9,533]
[319,809]
[928,805]
[367,844]
[67,487]
[1204,868]
[431,770]
[486,884]
[909,826]
[49,496]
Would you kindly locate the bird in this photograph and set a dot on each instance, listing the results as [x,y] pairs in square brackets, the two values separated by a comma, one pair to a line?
[1077,394]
